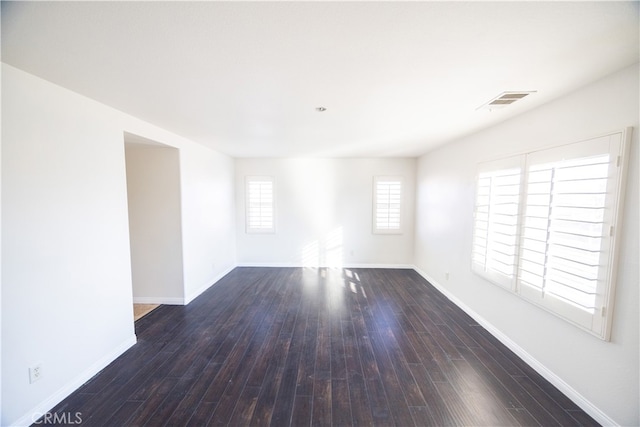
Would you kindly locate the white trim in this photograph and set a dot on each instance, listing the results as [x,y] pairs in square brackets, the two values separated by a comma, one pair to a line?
[383,266]
[614,254]
[188,298]
[269,264]
[196,294]
[57,397]
[158,300]
[299,265]
[549,375]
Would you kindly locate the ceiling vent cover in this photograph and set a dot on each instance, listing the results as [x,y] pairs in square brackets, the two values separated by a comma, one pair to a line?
[505,99]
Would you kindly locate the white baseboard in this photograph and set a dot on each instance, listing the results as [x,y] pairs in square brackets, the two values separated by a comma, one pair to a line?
[549,375]
[298,265]
[269,264]
[49,403]
[384,266]
[182,301]
[158,300]
[194,295]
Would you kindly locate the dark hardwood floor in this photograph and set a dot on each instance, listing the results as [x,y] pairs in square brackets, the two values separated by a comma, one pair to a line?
[292,346]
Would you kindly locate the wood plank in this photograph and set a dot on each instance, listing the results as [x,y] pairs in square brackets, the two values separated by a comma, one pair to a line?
[437,409]
[359,401]
[301,415]
[340,403]
[170,403]
[461,413]
[480,379]
[151,405]
[321,414]
[380,405]
[551,406]
[392,385]
[283,406]
[193,398]
[307,363]
[246,404]
[202,414]
[338,358]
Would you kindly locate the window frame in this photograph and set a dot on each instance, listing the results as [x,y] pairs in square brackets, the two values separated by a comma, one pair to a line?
[249,179]
[598,321]
[374,226]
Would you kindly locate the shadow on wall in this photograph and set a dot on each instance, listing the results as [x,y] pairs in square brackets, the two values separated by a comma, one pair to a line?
[325,252]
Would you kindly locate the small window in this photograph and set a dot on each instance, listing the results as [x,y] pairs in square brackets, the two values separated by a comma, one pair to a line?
[260,205]
[546,224]
[387,205]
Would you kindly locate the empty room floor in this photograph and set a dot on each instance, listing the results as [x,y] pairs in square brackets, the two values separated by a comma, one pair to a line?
[294,346]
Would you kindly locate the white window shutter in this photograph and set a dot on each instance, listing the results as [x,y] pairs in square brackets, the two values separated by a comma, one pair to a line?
[495,238]
[260,205]
[565,260]
[552,239]
[387,205]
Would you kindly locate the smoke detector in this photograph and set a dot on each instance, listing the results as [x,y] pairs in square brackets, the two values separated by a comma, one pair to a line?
[505,99]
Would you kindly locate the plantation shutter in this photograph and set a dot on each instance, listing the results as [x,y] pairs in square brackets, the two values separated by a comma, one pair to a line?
[260,211]
[387,204]
[545,227]
[495,239]
[566,244]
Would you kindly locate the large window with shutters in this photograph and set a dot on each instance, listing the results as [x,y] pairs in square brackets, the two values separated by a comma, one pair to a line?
[387,205]
[546,225]
[260,205]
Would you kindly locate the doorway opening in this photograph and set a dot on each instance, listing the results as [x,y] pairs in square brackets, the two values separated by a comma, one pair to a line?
[155,233]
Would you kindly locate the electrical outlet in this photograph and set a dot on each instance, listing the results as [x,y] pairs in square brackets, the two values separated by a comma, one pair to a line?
[446,276]
[35,373]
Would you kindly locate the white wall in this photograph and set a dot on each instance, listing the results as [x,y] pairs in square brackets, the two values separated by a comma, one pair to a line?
[208,220]
[66,272]
[324,213]
[65,268]
[155,224]
[604,374]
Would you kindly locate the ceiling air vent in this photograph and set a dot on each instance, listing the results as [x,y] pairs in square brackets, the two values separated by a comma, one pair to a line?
[505,99]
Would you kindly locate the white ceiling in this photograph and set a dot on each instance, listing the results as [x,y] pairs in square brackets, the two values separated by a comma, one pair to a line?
[245,78]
